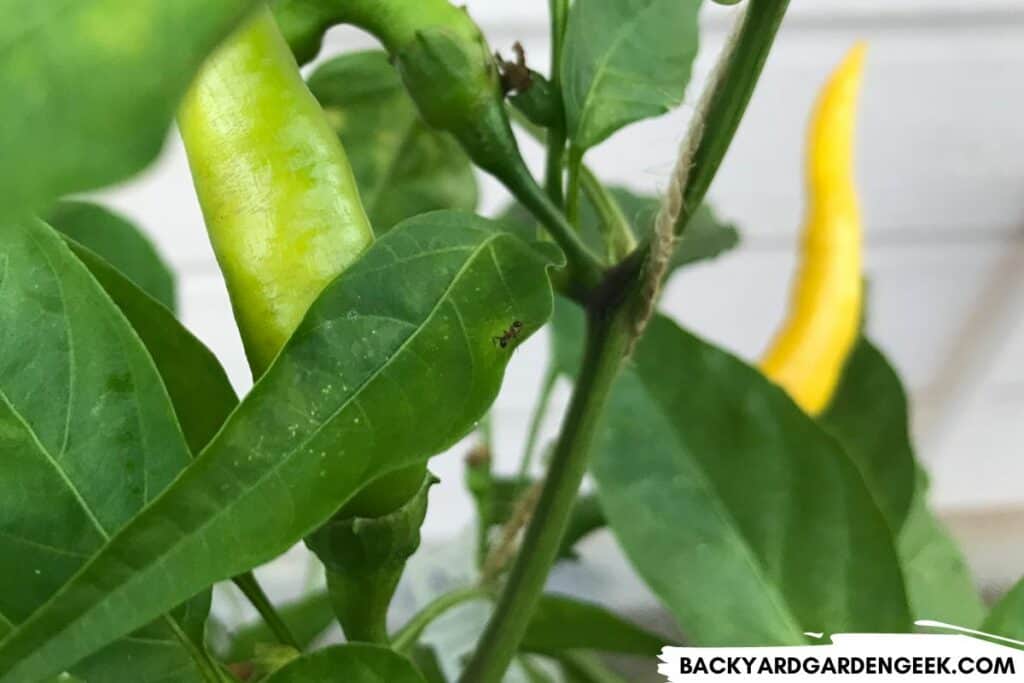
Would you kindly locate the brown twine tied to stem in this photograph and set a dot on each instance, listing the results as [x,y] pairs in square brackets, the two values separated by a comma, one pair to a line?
[666,225]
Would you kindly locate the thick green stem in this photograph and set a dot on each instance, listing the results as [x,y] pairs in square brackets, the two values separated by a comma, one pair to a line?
[556,135]
[539,411]
[726,97]
[606,342]
[572,192]
[252,590]
[406,637]
[609,338]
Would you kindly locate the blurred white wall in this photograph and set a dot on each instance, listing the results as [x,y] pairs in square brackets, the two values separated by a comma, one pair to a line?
[941,168]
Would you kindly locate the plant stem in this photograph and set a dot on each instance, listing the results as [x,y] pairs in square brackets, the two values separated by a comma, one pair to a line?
[559,10]
[406,637]
[618,235]
[585,269]
[607,340]
[252,590]
[208,669]
[539,411]
[572,192]
[726,97]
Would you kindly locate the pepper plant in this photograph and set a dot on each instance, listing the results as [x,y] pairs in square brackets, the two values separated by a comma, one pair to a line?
[379,313]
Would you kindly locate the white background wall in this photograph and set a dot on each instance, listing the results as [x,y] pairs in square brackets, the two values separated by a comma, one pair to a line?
[941,168]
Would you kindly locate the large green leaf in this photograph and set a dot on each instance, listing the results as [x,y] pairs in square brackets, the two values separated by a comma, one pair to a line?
[868,415]
[89,437]
[353,663]
[625,60]
[120,243]
[196,382]
[564,623]
[403,166]
[91,87]
[939,582]
[739,511]
[404,337]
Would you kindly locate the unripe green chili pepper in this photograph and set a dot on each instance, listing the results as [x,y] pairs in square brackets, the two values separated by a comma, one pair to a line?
[449,71]
[281,205]
[276,189]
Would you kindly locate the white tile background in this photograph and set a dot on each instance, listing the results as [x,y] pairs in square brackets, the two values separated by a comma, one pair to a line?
[941,168]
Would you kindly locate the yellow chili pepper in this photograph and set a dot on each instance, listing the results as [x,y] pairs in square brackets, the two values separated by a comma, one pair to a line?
[809,351]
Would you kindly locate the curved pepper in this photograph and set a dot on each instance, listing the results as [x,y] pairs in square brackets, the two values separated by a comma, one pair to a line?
[281,205]
[451,75]
[808,353]
[280,202]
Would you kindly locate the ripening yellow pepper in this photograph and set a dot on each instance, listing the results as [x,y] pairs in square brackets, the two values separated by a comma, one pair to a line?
[808,353]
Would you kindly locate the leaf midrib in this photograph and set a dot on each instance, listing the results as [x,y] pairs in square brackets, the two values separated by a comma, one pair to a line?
[602,64]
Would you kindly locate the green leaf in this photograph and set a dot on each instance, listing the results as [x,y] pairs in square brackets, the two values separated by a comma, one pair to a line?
[939,582]
[404,337]
[118,242]
[195,380]
[349,663]
[625,60]
[868,416]
[403,167]
[564,623]
[89,437]
[568,327]
[92,86]
[427,663]
[307,619]
[1007,616]
[740,512]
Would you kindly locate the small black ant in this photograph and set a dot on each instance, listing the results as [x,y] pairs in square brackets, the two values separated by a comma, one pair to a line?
[508,335]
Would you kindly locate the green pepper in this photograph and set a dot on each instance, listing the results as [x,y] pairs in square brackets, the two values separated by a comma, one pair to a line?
[280,202]
[279,198]
[451,74]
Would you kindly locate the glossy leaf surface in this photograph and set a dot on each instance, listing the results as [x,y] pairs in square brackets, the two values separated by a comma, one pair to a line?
[404,337]
[740,512]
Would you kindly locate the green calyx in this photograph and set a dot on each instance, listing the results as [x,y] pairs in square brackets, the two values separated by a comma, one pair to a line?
[365,558]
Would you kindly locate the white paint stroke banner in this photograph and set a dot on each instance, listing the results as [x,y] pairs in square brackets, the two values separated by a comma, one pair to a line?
[855,658]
